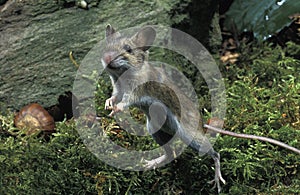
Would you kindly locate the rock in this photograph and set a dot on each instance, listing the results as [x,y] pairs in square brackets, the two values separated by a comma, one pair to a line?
[37,36]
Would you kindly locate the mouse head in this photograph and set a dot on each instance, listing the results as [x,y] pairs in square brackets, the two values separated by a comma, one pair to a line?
[122,53]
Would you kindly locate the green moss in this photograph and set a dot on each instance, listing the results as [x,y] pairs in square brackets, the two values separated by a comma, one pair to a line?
[263,98]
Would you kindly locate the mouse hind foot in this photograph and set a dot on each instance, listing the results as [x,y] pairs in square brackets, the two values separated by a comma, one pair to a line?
[218,176]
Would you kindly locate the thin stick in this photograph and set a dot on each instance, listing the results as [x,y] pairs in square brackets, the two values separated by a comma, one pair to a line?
[254,137]
[73,60]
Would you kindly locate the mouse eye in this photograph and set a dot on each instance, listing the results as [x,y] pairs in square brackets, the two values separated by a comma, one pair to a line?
[127,48]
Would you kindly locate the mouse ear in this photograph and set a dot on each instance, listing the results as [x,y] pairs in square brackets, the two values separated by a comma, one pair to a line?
[144,38]
[110,32]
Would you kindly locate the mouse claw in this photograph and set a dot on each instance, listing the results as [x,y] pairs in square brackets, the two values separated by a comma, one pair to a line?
[117,108]
[109,103]
[150,164]
[154,163]
[216,183]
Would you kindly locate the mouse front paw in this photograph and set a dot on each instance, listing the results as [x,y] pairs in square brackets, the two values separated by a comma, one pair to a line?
[109,103]
[117,108]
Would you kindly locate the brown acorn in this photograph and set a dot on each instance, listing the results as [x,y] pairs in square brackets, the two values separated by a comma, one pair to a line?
[33,118]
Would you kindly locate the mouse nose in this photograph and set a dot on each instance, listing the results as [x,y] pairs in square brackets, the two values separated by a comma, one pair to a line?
[108,57]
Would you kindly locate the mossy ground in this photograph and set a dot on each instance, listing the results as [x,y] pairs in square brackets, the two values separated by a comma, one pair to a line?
[263,97]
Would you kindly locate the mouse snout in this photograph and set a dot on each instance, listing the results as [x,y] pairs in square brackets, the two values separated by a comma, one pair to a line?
[108,57]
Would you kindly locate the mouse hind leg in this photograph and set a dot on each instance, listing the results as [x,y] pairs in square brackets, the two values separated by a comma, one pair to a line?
[218,176]
[154,163]
[207,148]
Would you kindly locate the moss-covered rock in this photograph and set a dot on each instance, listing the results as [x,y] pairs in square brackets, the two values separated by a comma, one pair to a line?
[37,36]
